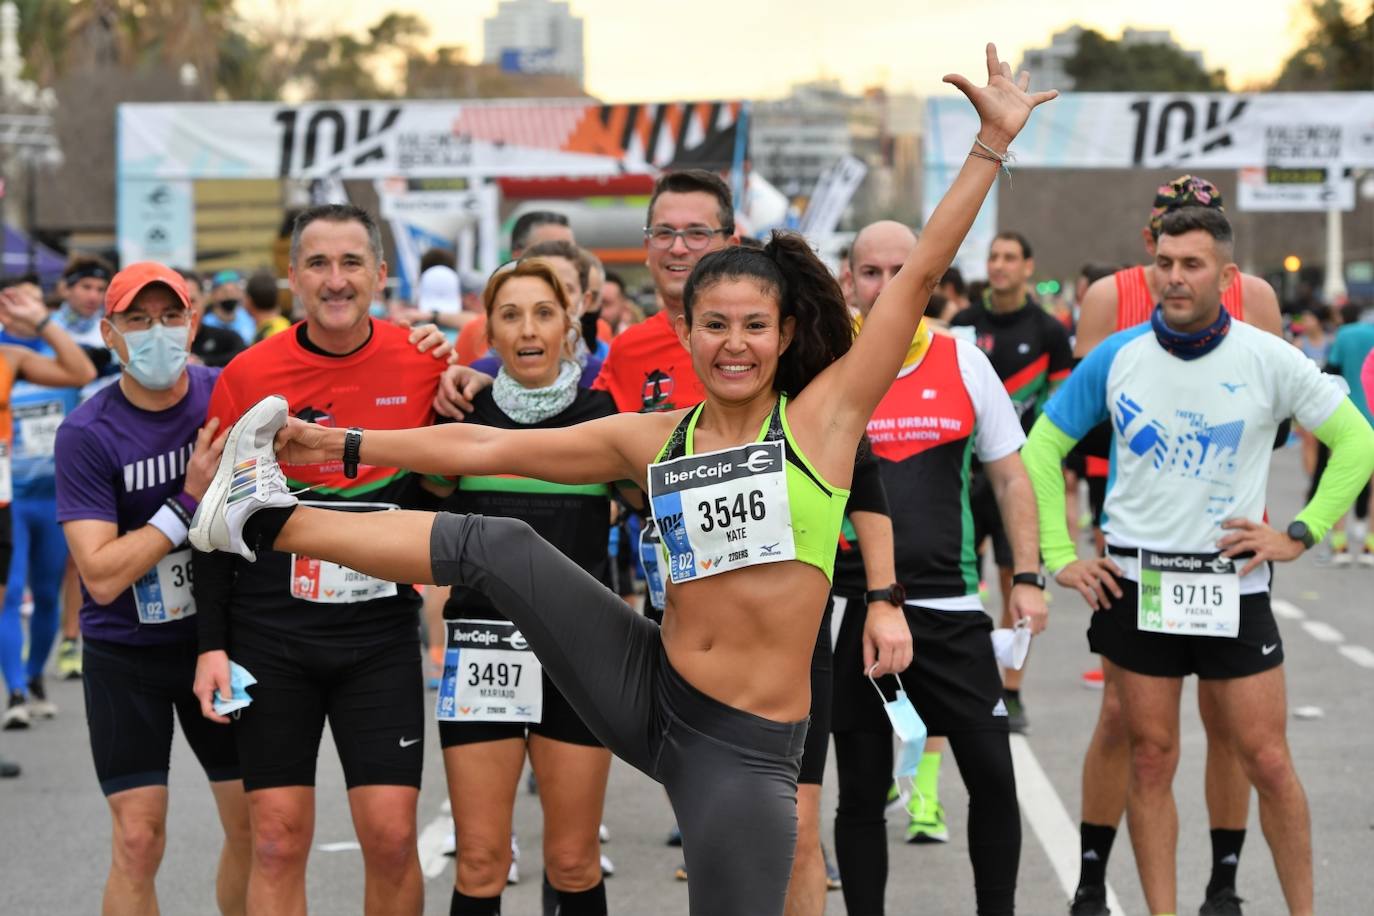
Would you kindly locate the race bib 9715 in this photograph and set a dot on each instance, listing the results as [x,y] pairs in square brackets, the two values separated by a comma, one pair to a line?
[1188,594]
[723,510]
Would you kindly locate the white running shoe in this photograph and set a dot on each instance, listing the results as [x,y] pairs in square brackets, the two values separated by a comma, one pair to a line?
[607,866]
[1367,558]
[17,716]
[248,479]
[513,876]
[603,834]
[1341,559]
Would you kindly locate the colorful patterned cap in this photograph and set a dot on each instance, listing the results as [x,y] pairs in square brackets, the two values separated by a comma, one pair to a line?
[1184,191]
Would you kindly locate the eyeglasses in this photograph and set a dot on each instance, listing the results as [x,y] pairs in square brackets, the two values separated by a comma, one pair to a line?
[695,237]
[177,318]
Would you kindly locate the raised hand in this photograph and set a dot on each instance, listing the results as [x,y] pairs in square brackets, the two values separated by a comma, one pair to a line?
[21,310]
[1004,104]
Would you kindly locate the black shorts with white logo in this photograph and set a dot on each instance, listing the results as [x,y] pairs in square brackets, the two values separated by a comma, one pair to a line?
[373,698]
[1258,647]
[558,721]
[953,681]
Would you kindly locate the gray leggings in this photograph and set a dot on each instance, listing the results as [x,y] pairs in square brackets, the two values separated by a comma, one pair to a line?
[731,776]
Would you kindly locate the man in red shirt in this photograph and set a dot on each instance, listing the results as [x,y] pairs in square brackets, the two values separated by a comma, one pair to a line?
[324,641]
[648,369]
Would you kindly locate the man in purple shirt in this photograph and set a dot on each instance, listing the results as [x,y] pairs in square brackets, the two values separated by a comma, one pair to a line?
[132,463]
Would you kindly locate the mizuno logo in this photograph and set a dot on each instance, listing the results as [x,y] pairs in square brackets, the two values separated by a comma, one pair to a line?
[1268,649]
[1233,387]
[405,743]
[769,550]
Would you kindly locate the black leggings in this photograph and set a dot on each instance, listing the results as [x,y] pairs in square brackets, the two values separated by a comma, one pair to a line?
[864,762]
[731,776]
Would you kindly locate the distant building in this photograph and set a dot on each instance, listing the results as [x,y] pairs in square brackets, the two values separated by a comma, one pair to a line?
[1046,65]
[534,36]
[794,140]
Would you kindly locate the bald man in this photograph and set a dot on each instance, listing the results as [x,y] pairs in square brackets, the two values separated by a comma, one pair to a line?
[946,405]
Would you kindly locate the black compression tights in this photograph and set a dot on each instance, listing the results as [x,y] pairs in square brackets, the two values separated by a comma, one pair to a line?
[864,763]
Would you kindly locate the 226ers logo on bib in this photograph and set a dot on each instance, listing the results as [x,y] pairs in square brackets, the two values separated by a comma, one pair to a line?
[723,510]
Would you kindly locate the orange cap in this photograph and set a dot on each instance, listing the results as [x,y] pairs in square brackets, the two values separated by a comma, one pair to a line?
[132,280]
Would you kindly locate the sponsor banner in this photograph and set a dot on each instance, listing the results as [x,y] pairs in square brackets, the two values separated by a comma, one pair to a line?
[1315,190]
[156,222]
[1198,131]
[421,139]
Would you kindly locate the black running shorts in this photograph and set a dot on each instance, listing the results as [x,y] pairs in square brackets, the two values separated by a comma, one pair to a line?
[558,721]
[6,536]
[818,735]
[953,681]
[131,692]
[373,698]
[1113,635]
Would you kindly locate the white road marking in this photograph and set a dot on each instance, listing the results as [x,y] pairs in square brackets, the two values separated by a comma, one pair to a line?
[431,844]
[1359,655]
[1322,632]
[1286,609]
[344,846]
[1049,820]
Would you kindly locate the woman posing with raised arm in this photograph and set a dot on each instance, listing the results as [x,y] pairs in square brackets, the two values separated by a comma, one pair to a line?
[748,490]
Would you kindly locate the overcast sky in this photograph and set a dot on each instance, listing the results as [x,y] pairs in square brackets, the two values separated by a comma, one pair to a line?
[657,50]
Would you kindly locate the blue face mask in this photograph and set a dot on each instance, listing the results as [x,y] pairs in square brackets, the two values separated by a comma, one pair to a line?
[156,356]
[239,682]
[911,732]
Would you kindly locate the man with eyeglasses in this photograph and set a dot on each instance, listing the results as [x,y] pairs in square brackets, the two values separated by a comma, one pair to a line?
[131,464]
[691,214]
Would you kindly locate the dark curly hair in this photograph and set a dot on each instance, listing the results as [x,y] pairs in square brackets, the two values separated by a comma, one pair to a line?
[805,289]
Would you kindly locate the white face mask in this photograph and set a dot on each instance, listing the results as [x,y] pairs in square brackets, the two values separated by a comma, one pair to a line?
[157,356]
[1012,644]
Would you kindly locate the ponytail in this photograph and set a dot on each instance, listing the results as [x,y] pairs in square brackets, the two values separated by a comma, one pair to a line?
[806,291]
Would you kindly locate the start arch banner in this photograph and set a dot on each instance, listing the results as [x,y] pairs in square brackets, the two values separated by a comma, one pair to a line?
[1125,130]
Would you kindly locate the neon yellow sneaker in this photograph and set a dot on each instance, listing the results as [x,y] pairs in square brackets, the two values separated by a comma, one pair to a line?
[927,821]
[69,660]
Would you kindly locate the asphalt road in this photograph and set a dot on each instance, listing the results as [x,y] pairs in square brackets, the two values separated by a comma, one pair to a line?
[55,838]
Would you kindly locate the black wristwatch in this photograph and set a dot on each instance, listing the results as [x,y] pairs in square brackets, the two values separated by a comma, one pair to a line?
[353,445]
[1029,578]
[893,594]
[1299,531]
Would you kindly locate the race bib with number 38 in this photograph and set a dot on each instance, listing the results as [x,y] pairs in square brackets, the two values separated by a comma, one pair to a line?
[1188,594]
[163,594]
[723,510]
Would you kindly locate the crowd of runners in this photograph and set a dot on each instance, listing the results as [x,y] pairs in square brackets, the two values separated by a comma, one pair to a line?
[707,541]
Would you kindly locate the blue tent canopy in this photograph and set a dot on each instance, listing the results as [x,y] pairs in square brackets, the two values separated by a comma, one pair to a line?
[47,263]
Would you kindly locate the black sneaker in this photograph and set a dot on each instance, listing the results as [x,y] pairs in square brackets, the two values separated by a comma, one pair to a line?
[674,837]
[1016,715]
[1222,902]
[1090,900]
[8,769]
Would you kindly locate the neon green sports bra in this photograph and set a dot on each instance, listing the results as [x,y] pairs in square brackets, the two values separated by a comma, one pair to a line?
[757,503]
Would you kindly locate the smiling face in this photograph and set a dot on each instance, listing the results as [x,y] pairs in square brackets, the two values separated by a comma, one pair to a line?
[670,267]
[736,336]
[1193,270]
[335,275]
[527,328]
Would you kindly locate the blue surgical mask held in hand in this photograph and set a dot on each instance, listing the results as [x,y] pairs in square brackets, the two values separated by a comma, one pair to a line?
[156,356]
[239,682]
[910,730]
